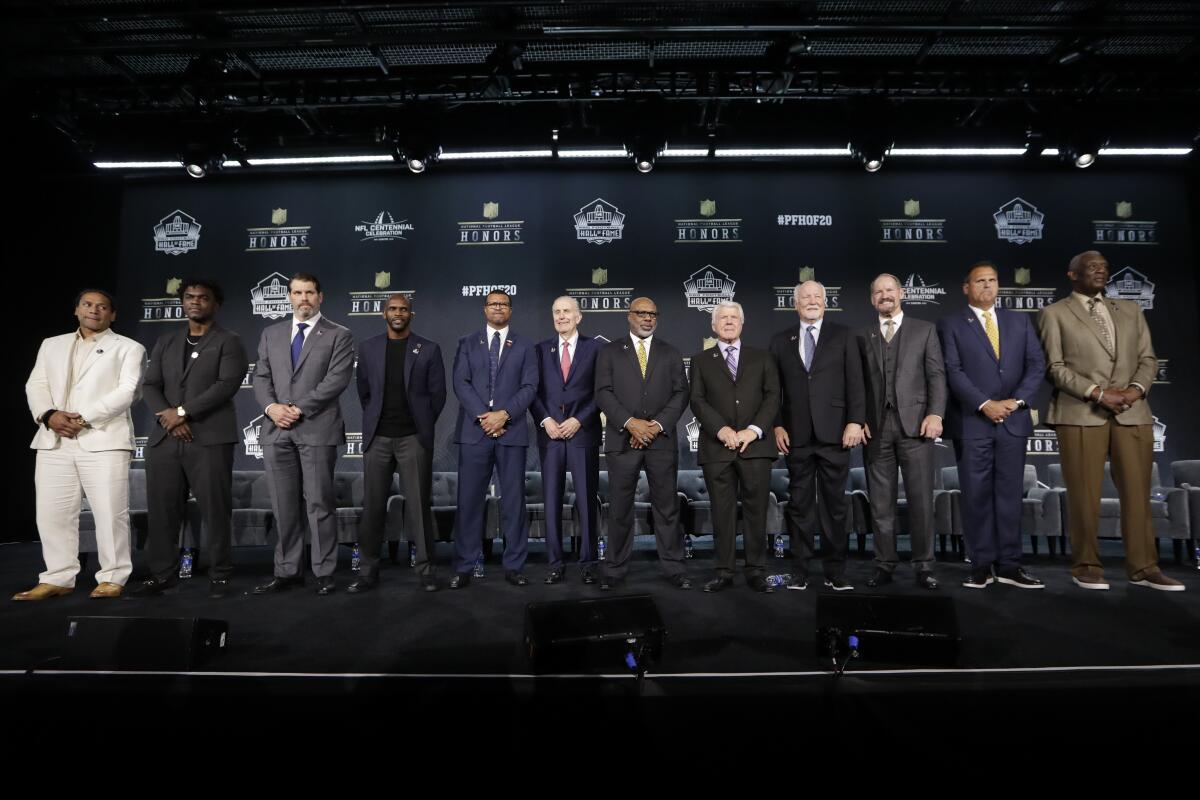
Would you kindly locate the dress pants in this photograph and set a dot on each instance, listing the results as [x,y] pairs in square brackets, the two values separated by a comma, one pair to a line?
[385,456]
[662,468]
[817,475]
[558,457]
[750,480]
[62,477]
[991,475]
[304,500]
[476,463]
[172,467]
[1084,449]
[914,456]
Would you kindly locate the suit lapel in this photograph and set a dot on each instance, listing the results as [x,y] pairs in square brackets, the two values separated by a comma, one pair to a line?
[97,350]
[1078,310]
[310,342]
[631,349]
[973,323]
[414,351]
[178,349]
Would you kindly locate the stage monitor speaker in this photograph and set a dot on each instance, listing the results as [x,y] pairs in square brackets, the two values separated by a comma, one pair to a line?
[143,643]
[589,636]
[895,630]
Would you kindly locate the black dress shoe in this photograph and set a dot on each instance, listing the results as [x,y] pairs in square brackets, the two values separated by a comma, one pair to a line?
[758,583]
[680,581]
[153,586]
[589,575]
[881,578]
[718,583]
[926,580]
[554,576]
[279,585]
[218,588]
[978,579]
[1020,578]
[361,584]
[516,578]
[429,584]
[461,580]
[838,585]
[325,585]
[798,582]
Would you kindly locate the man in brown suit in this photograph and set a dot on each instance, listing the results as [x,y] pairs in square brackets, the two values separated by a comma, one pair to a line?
[1101,363]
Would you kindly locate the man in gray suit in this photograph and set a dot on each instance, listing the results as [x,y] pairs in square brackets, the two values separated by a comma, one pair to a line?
[906,400]
[303,365]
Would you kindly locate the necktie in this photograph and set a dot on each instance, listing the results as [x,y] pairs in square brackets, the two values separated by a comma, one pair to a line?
[493,363]
[298,343]
[1098,318]
[566,360]
[989,327]
[810,345]
[731,362]
[891,329]
[642,356]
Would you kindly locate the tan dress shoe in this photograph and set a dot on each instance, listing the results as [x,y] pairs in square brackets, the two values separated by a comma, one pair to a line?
[42,591]
[106,589]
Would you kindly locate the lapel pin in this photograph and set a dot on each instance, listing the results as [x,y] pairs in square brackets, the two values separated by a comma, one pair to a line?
[195,355]
[416,350]
[508,342]
[795,337]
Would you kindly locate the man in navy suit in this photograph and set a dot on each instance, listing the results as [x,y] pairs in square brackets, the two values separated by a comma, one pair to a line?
[402,388]
[568,433]
[994,365]
[495,380]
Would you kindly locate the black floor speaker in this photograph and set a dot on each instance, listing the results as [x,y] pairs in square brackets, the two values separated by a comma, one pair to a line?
[143,643]
[894,630]
[607,635]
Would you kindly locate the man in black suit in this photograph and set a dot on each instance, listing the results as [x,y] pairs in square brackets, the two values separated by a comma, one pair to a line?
[735,397]
[821,421]
[402,388]
[642,389]
[190,383]
[906,399]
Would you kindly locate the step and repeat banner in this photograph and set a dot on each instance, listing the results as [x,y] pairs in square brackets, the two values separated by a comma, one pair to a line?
[686,238]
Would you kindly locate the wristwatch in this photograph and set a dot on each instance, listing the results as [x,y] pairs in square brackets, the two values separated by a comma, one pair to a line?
[181,412]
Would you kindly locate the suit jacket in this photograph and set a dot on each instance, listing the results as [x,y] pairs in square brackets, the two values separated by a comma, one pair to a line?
[574,397]
[818,404]
[205,387]
[516,385]
[718,400]
[315,386]
[102,393]
[975,374]
[621,392]
[1076,358]
[424,383]
[920,374]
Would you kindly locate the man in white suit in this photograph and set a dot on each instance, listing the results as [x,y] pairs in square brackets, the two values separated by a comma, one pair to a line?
[79,393]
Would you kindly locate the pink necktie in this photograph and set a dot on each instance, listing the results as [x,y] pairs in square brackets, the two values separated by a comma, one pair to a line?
[566,360]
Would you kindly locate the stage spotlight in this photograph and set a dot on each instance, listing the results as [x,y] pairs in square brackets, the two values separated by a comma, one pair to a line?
[1084,160]
[200,163]
[1082,149]
[645,165]
[416,165]
[871,150]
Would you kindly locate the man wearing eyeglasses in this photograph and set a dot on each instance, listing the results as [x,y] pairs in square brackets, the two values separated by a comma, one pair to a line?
[495,380]
[642,389]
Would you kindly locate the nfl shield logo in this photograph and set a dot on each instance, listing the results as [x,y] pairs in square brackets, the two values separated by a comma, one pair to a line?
[1124,209]
[278,216]
[807,274]
[599,276]
[173,286]
[383,280]
[1023,276]
[708,208]
[491,210]
[912,208]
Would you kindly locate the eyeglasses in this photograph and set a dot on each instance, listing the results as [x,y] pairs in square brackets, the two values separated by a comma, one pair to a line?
[645,314]
[497,305]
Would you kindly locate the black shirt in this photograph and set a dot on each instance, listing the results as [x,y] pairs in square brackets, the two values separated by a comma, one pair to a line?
[395,419]
[190,343]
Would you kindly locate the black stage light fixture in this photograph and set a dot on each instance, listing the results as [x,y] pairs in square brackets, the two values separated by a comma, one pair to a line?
[1083,148]
[202,161]
[871,150]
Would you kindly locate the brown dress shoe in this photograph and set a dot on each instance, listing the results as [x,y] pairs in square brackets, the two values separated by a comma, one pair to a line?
[106,590]
[1153,577]
[42,591]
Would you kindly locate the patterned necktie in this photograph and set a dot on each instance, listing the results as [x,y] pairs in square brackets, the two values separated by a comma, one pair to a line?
[731,362]
[566,360]
[810,346]
[1101,323]
[298,343]
[891,329]
[989,327]
[493,362]
[642,356]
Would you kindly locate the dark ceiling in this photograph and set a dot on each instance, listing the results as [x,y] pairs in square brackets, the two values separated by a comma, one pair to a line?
[149,77]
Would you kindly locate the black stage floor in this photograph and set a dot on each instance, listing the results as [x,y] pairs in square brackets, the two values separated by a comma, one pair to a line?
[732,654]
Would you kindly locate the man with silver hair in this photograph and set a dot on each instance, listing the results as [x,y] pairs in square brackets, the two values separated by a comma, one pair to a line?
[820,421]
[735,397]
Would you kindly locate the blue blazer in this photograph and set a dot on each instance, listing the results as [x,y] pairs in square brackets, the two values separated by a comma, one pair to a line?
[575,397]
[975,375]
[516,385]
[424,380]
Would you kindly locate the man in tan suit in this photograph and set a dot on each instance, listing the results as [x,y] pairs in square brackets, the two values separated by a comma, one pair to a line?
[1101,363]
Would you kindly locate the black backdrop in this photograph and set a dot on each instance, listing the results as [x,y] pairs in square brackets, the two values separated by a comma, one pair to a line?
[686,236]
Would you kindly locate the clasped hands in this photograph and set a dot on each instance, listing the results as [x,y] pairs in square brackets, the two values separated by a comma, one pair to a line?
[174,424]
[493,422]
[66,424]
[641,433]
[736,440]
[562,430]
[1119,400]
[999,410]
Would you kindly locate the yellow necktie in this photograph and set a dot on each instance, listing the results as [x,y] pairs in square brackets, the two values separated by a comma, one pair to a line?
[989,327]
[642,357]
